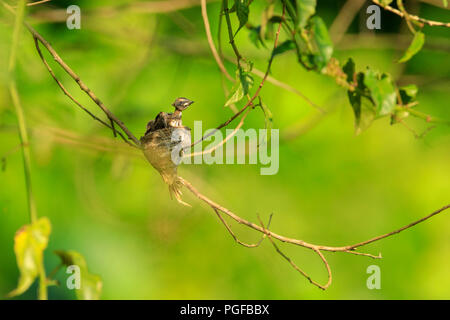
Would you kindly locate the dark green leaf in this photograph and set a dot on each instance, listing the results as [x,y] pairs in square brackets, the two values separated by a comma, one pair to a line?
[283,47]
[408,93]
[349,69]
[246,81]
[363,110]
[242,11]
[255,36]
[414,47]
[292,11]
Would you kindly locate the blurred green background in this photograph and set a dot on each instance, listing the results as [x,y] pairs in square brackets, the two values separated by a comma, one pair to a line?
[333,188]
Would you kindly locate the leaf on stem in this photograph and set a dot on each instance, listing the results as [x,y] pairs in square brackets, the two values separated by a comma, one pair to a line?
[414,47]
[322,41]
[29,245]
[306,9]
[283,47]
[242,12]
[382,91]
[408,93]
[90,284]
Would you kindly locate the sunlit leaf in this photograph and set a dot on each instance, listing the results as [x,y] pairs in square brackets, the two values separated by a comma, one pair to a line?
[29,245]
[237,94]
[90,284]
[306,9]
[323,42]
[382,91]
[398,116]
[414,47]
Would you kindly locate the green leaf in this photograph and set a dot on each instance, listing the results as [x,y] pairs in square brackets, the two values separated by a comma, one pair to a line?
[382,91]
[306,9]
[246,81]
[242,12]
[292,10]
[283,47]
[408,93]
[385,2]
[445,3]
[29,245]
[363,110]
[322,41]
[237,94]
[91,284]
[414,47]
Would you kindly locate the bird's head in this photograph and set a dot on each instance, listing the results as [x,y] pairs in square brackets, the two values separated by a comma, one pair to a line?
[182,103]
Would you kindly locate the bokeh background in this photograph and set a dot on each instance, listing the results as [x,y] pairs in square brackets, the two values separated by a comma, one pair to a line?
[106,202]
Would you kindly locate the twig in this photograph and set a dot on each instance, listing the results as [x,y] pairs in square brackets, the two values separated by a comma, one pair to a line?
[292,263]
[23,135]
[82,86]
[284,86]
[37,2]
[211,42]
[406,15]
[253,245]
[77,79]
[66,92]
[221,142]
[413,17]
[258,90]
[351,249]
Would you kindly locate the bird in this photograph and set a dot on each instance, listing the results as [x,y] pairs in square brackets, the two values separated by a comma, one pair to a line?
[158,143]
[165,120]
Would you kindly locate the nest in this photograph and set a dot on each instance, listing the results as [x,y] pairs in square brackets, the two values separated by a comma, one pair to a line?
[163,148]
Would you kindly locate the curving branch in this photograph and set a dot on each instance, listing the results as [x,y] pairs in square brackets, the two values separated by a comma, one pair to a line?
[314,247]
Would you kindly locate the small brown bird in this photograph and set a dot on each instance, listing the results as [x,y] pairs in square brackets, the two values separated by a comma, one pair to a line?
[158,144]
[164,120]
